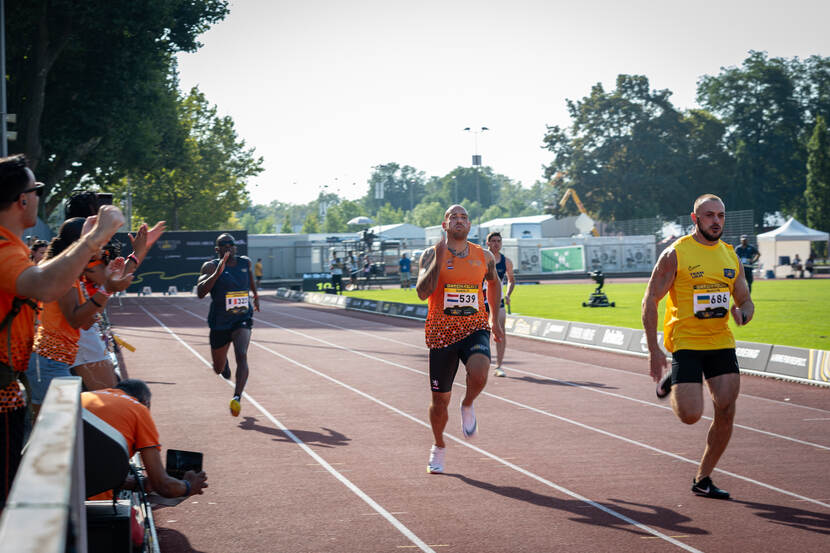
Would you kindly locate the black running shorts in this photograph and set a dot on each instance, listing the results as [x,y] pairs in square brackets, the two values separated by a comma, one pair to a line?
[689,365]
[443,362]
[221,338]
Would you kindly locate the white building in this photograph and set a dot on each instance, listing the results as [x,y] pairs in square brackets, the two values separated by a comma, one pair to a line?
[531,226]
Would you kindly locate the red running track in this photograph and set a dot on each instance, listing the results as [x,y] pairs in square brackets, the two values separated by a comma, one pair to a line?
[574,452]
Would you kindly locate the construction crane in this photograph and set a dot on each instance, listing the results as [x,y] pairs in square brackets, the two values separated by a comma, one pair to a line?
[571,193]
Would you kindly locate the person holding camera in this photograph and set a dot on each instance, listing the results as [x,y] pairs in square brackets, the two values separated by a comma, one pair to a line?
[126,407]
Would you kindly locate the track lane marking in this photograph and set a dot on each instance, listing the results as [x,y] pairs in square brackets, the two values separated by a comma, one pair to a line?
[331,470]
[589,388]
[540,479]
[517,404]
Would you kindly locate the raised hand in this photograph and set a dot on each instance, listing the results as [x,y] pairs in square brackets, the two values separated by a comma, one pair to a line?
[116,279]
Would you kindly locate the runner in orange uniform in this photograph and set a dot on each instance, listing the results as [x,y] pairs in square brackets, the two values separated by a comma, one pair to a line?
[701,274]
[451,275]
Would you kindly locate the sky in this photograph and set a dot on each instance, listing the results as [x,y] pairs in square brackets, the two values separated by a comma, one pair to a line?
[325,90]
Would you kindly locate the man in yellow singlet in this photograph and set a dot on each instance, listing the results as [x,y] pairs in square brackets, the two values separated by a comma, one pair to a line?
[451,274]
[701,274]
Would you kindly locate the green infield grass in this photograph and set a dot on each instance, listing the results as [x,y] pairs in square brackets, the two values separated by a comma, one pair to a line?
[787,312]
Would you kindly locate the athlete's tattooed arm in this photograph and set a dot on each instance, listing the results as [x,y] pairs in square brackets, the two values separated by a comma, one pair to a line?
[429,266]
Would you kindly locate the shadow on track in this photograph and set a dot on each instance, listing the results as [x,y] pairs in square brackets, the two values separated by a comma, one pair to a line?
[791,516]
[549,382]
[171,540]
[654,516]
[329,438]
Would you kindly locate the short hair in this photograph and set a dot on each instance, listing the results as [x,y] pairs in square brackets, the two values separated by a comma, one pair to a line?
[447,212]
[82,203]
[69,233]
[492,234]
[135,388]
[37,244]
[13,179]
[218,238]
[705,198]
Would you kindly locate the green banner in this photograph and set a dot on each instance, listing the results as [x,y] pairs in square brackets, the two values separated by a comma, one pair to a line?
[565,259]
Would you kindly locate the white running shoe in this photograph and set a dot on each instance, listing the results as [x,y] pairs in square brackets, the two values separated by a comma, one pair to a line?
[499,372]
[436,460]
[468,421]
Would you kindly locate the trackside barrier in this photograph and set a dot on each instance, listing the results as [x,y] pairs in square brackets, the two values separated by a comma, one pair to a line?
[808,366]
[45,508]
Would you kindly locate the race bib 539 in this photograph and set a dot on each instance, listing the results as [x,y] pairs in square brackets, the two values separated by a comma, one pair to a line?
[460,299]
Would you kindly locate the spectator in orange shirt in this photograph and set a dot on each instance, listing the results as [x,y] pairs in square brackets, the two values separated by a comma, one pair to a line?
[22,281]
[56,343]
[127,409]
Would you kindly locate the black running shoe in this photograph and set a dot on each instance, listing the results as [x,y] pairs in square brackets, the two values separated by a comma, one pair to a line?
[664,386]
[706,488]
[226,372]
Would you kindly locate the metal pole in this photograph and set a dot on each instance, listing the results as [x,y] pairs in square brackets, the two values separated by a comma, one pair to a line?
[4,139]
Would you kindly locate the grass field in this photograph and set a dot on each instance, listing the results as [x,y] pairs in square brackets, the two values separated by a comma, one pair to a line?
[787,312]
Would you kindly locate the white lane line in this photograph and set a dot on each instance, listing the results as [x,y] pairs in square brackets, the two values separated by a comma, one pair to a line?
[548,414]
[345,481]
[584,387]
[478,450]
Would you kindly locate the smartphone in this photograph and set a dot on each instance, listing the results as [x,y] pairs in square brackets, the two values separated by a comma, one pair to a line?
[180,461]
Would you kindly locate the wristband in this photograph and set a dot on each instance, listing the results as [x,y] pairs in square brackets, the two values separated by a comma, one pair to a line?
[95,302]
[133,258]
[187,487]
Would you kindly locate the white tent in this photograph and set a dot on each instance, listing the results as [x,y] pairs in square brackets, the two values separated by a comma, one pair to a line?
[787,240]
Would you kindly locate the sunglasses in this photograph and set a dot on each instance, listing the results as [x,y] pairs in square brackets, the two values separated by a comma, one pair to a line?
[39,188]
[225,243]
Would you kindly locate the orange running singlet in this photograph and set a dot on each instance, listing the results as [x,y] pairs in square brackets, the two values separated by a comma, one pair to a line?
[456,306]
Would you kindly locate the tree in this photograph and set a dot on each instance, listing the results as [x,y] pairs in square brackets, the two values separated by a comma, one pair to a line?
[311,225]
[403,187]
[387,215]
[629,153]
[93,83]
[817,193]
[207,182]
[427,214]
[768,106]
[286,225]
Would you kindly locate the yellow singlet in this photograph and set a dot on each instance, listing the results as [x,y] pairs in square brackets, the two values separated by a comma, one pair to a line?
[697,309]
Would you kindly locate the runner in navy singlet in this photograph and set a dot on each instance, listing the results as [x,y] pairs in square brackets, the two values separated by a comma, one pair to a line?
[504,267]
[229,280]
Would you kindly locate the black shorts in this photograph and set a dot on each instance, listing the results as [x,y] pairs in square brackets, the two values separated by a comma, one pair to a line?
[443,362]
[689,365]
[221,338]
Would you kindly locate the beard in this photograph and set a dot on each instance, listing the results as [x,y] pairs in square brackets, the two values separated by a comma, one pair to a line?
[457,234]
[711,236]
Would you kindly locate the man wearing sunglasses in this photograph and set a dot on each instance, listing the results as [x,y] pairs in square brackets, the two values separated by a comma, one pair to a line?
[229,280]
[22,284]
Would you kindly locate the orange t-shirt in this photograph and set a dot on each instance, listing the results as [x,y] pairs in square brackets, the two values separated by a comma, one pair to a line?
[456,306]
[56,339]
[14,259]
[124,413]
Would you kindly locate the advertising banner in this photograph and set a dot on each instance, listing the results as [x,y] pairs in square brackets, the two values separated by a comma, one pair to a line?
[177,258]
[565,259]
